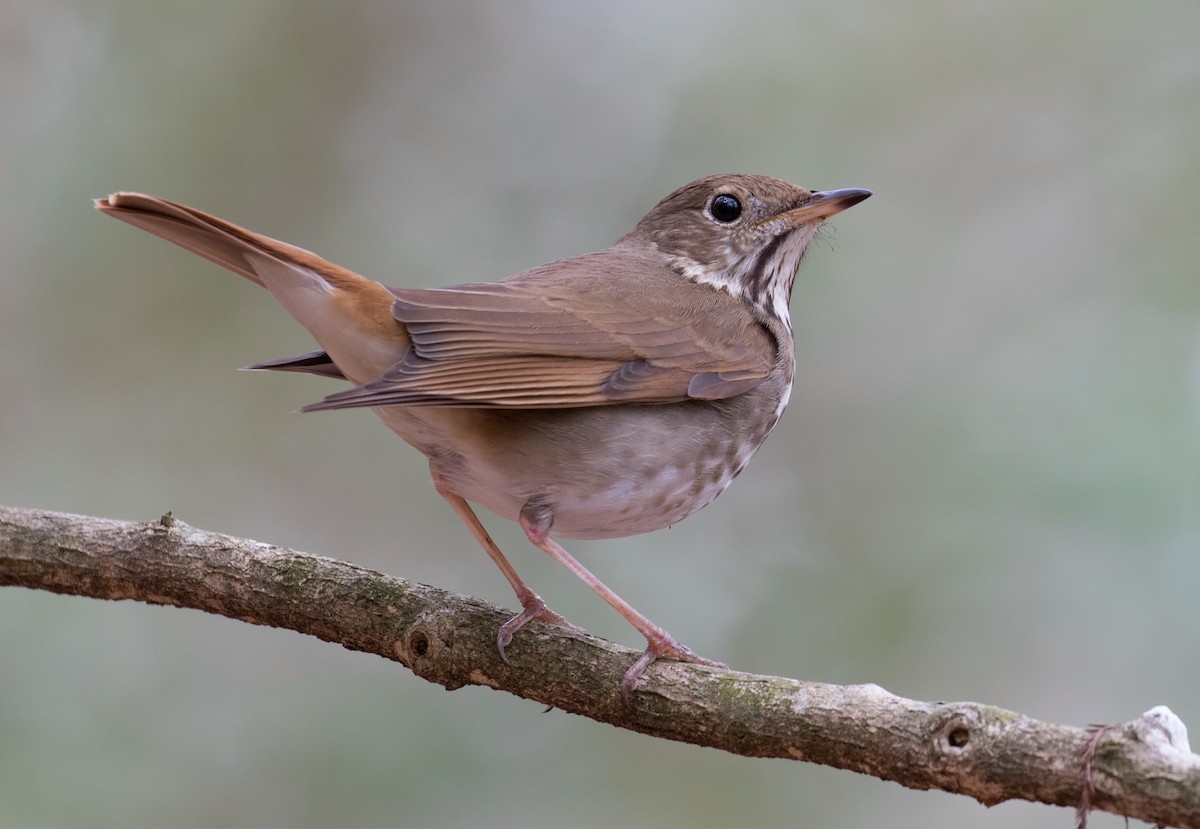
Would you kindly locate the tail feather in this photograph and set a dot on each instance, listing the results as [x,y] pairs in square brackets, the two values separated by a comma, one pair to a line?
[208,236]
[349,315]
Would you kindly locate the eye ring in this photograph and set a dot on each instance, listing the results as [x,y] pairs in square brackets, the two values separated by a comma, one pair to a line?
[725,208]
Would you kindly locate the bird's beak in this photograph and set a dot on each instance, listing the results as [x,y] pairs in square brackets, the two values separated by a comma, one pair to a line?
[822,205]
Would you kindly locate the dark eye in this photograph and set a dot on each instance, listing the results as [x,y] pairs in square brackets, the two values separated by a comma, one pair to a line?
[725,208]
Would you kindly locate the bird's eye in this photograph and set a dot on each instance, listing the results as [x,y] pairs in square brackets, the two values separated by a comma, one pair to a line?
[725,208]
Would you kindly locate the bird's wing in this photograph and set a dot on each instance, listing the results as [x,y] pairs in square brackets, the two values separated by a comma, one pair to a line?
[613,327]
[311,362]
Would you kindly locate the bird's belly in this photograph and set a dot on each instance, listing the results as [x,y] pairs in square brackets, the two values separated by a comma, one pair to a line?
[603,472]
[639,500]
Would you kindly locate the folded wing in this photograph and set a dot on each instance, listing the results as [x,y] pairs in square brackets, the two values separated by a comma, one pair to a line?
[561,336]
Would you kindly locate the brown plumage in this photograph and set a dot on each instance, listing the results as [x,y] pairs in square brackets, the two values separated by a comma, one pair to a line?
[600,396]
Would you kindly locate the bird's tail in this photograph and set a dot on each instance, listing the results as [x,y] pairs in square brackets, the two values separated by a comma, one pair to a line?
[349,315]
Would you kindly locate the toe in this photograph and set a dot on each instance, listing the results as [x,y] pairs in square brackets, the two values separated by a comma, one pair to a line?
[664,648]
[534,608]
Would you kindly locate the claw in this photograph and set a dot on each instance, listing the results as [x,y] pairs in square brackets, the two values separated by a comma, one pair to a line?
[533,608]
[659,648]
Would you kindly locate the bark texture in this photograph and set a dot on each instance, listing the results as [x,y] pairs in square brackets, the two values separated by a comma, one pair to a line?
[1142,769]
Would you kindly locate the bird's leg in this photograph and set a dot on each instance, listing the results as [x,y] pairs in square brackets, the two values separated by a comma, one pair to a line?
[531,603]
[535,521]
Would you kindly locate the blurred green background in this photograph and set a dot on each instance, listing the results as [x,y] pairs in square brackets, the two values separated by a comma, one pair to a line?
[987,485]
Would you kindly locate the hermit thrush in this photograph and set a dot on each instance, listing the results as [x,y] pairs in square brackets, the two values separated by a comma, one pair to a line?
[601,396]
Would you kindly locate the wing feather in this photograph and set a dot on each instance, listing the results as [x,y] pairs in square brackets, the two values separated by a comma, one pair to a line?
[599,329]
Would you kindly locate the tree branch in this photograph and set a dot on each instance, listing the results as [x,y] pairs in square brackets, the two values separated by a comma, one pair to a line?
[1142,769]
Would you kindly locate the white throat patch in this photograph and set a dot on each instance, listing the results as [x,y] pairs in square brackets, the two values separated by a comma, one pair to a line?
[764,284]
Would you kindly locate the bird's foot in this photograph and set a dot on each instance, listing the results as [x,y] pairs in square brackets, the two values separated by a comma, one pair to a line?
[532,608]
[660,646]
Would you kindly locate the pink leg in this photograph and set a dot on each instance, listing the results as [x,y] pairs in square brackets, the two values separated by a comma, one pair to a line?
[532,605]
[659,643]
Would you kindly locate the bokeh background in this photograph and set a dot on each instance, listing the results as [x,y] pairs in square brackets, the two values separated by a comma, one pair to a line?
[987,485]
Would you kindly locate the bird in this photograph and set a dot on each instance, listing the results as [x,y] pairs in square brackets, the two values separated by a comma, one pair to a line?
[598,396]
